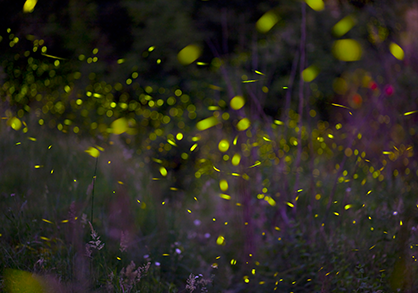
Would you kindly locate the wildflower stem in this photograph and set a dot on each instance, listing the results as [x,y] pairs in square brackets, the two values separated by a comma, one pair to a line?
[92,192]
[302,62]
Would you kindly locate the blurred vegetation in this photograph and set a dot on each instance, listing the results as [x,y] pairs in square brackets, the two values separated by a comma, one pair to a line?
[180,146]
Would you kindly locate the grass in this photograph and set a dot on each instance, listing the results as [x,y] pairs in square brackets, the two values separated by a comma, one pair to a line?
[299,205]
[47,212]
[344,231]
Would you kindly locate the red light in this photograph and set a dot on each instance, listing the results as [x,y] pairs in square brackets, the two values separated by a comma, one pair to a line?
[373,85]
[389,90]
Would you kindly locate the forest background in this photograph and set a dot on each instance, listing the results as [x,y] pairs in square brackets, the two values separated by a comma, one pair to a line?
[239,146]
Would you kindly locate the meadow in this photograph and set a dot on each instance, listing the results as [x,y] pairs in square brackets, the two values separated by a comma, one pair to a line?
[115,220]
[242,172]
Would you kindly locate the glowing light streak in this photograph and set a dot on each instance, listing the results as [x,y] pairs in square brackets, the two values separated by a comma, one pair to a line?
[29,6]
[225,196]
[14,123]
[189,54]
[236,159]
[343,26]
[243,124]
[172,142]
[163,171]
[396,51]
[347,50]
[223,145]
[220,240]
[409,113]
[341,106]
[267,21]
[270,201]
[193,147]
[316,5]
[237,102]
[119,126]
[53,57]
[92,151]
[207,123]
[310,73]
[223,185]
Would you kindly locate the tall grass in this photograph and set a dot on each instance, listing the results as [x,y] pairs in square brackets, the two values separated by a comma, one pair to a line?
[298,205]
[350,231]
